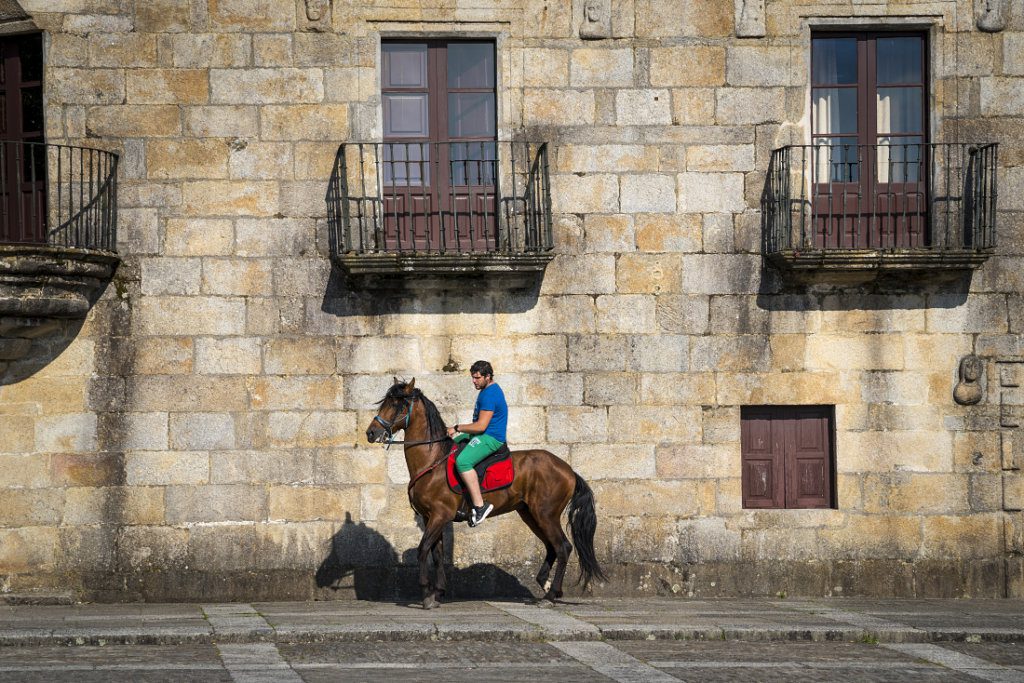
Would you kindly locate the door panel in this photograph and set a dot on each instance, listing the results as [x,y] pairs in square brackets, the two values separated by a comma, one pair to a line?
[786,456]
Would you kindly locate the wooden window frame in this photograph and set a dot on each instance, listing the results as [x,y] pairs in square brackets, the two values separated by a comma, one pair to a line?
[784,457]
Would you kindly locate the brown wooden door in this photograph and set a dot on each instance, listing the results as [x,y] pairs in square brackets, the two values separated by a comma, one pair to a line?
[22,166]
[786,456]
[439,167]
[869,133]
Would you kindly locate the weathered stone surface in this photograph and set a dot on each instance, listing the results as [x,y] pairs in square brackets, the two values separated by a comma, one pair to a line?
[158,120]
[643,107]
[167,86]
[558,107]
[710,192]
[601,67]
[648,193]
[688,66]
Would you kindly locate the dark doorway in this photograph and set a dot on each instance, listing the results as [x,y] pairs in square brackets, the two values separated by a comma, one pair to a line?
[22,152]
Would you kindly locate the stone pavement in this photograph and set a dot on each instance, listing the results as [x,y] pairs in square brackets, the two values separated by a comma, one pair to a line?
[648,639]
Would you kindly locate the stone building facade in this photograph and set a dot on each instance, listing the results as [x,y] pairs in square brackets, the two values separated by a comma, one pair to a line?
[200,434]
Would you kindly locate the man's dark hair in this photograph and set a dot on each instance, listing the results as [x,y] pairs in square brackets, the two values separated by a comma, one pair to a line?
[483,367]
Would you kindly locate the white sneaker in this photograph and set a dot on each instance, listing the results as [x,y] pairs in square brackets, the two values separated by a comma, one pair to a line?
[477,517]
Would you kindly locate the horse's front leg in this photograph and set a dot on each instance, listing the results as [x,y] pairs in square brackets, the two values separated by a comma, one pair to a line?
[440,577]
[434,527]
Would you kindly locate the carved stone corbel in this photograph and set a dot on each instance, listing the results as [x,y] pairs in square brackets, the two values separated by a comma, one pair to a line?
[315,14]
[597,20]
[968,389]
[750,19]
[991,15]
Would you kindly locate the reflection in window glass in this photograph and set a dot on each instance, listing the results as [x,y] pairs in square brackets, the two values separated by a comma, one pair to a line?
[406,163]
[405,65]
[405,115]
[834,60]
[31,54]
[900,159]
[836,160]
[32,109]
[899,60]
[471,65]
[473,163]
[899,110]
[471,115]
[835,111]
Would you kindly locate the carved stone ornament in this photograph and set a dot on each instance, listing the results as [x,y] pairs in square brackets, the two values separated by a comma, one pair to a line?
[750,19]
[991,15]
[316,9]
[597,20]
[968,389]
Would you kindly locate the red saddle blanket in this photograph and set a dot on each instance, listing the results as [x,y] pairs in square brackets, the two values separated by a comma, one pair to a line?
[495,471]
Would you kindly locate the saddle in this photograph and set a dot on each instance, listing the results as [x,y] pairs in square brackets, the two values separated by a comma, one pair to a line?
[495,471]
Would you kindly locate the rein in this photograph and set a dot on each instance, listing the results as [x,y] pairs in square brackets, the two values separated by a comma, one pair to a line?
[422,474]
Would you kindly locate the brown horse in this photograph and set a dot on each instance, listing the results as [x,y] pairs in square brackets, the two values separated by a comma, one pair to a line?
[544,485]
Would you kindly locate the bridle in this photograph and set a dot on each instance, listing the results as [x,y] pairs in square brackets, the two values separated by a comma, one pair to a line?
[390,428]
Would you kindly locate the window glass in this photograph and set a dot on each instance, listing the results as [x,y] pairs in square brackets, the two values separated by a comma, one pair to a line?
[834,60]
[471,65]
[405,65]
[900,159]
[405,115]
[836,160]
[32,109]
[899,60]
[474,163]
[31,54]
[898,110]
[471,115]
[835,111]
[407,163]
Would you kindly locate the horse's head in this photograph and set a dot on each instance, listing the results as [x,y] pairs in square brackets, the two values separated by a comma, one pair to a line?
[395,411]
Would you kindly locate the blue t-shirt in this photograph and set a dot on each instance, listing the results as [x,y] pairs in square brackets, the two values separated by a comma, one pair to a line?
[493,398]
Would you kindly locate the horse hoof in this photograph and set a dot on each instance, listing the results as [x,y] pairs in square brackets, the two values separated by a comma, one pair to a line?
[546,602]
[430,603]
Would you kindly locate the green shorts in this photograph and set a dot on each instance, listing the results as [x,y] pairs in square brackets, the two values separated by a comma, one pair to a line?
[478,448]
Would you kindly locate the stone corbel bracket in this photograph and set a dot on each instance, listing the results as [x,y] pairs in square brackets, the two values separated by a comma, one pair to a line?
[314,15]
[41,285]
[750,19]
[991,15]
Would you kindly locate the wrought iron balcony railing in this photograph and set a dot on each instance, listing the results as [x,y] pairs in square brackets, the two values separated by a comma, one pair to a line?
[58,195]
[427,198]
[900,199]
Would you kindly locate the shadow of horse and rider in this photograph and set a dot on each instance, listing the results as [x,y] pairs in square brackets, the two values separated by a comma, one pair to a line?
[363,564]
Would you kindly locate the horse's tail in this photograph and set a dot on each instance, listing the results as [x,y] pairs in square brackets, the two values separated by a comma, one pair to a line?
[583,524]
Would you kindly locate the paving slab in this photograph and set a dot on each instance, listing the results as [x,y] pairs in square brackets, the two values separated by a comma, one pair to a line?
[848,620]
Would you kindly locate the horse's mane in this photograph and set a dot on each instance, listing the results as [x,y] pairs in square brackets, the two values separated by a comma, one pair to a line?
[436,427]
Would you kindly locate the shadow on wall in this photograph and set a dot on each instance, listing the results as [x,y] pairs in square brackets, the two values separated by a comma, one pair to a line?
[364,562]
[776,293]
[27,349]
[412,296]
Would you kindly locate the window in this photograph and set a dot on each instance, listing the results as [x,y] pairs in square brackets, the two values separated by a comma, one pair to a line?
[787,456]
[22,166]
[439,163]
[869,131]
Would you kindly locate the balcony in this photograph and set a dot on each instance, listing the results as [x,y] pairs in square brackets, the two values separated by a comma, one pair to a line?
[854,213]
[440,213]
[58,218]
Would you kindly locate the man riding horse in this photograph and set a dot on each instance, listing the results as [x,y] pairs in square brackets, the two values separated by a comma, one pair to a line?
[485,435]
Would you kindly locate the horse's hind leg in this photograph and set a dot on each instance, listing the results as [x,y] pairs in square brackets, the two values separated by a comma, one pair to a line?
[552,530]
[432,534]
[549,559]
